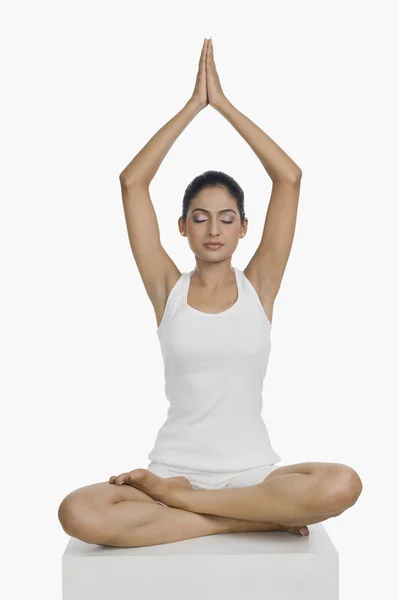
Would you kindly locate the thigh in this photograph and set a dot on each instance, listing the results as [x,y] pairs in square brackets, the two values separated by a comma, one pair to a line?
[98,494]
[332,479]
[259,474]
[86,513]
[311,468]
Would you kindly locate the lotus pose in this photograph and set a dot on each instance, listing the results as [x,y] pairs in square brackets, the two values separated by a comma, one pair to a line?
[212,468]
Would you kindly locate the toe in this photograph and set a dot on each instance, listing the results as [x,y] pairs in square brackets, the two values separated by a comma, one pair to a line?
[120,479]
[297,529]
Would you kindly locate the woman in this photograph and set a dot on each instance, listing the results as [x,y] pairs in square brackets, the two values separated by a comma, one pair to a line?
[212,467]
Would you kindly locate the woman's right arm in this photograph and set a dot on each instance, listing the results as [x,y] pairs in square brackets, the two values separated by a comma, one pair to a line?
[157,270]
[146,163]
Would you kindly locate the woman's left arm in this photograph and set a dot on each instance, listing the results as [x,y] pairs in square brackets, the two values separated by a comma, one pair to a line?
[267,266]
[277,163]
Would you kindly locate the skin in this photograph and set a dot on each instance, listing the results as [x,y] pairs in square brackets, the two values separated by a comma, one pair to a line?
[213,267]
[208,89]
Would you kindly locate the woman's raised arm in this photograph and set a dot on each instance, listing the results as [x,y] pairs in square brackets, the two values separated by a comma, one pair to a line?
[156,268]
[146,163]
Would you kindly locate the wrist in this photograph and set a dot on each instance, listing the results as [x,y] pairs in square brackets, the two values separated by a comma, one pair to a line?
[221,103]
[196,103]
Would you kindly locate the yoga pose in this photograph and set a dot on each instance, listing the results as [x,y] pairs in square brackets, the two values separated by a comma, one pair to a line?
[213,469]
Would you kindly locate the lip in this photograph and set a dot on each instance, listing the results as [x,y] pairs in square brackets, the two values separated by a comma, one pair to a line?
[210,245]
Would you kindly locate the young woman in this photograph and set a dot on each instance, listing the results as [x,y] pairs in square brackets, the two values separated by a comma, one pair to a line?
[212,467]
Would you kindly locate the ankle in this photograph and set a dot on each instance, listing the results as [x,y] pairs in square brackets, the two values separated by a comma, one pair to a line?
[219,524]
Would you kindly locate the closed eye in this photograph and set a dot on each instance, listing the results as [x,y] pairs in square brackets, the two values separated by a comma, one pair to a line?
[204,221]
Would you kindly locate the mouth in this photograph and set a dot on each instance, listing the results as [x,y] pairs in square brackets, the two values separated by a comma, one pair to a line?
[213,245]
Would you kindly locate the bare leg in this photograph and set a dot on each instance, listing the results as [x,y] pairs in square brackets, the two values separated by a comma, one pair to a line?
[123,516]
[163,525]
[298,494]
[292,495]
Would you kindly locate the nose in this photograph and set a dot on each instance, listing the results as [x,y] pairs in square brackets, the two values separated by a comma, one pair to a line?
[214,229]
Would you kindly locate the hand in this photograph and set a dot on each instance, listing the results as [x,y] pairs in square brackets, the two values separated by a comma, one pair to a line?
[200,95]
[214,89]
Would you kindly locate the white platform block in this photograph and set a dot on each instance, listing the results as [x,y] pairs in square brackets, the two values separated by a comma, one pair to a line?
[266,565]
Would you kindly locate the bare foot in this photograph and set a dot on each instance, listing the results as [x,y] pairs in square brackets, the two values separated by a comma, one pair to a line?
[169,490]
[261,526]
[230,525]
[302,530]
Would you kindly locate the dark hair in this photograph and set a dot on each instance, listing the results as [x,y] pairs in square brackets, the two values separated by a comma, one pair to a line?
[213,179]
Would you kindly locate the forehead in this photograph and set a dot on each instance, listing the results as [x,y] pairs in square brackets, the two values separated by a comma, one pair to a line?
[212,198]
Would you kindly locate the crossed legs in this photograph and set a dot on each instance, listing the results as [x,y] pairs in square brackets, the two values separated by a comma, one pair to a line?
[128,515]
[110,515]
[292,495]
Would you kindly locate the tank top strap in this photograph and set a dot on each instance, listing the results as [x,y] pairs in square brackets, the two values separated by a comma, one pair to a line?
[252,300]
[239,277]
[175,300]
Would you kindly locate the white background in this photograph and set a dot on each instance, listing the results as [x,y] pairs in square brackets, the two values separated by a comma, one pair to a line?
[85,86]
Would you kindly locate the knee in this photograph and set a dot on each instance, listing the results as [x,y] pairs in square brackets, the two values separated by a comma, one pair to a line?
[79,520]
[343,487]
[353,485]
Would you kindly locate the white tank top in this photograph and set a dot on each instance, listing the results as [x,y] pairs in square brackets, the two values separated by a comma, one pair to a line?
[214,368]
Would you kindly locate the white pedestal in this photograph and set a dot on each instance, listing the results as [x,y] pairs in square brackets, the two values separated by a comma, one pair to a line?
[234,566]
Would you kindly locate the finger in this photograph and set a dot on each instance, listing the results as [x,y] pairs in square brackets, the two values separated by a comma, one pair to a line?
[205,50]
[210,52]
[202,53]
[112,479]
[119,480]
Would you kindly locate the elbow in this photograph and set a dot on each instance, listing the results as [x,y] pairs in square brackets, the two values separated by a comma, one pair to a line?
[126,180]
[130,180]
[297,176]
[293,178]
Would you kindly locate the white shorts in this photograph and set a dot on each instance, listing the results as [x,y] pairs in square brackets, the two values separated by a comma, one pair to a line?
[201,480]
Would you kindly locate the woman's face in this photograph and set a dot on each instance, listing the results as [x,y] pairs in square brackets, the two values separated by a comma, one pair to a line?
[213,216]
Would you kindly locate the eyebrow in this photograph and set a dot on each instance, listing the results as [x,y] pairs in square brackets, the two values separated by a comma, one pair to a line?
[208,211]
